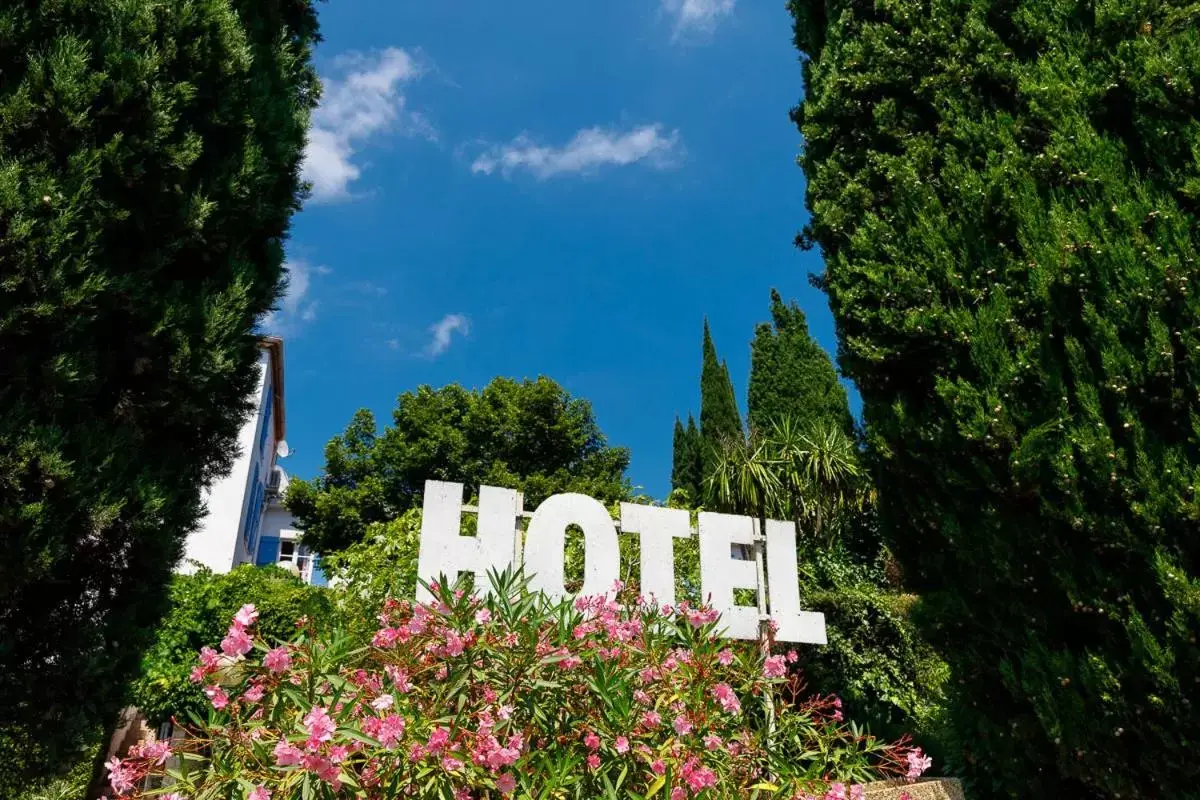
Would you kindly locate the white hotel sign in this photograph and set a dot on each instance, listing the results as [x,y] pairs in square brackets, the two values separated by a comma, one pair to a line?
[497,545]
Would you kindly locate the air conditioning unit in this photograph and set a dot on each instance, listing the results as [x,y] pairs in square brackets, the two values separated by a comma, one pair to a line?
[274,481]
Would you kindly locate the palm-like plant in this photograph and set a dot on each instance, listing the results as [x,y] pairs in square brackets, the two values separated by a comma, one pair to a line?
[818,472]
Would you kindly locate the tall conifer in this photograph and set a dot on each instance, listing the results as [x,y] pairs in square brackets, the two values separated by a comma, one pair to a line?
[791,375]
[720,420]
[1006,197]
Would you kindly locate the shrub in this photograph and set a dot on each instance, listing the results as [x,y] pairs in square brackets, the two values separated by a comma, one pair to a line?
[514,693]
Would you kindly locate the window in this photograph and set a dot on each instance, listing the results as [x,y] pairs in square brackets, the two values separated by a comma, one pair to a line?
[253,512]
[269,404]
[291,553]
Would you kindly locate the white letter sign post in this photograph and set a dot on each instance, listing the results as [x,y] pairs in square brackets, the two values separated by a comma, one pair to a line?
[497,545]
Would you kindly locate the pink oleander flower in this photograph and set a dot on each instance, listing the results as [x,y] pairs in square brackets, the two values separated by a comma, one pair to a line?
[383,702]
[254,693]
[438,740]
[216,695]
[658,767]
[246,616]
[918,763]
[837,791]
[483,616]
[236,643]
[391,729]
[155,752]
[319,724]
[774,667]
[591,741]
[209,658]
[506,783]
[621,744]
[324,769]
[651,719]
[504,712]
[259,793]
[678,793]
[593,761]
[641,697]
[792,657]
[682,725]
[857,792]
[287,755]
[277,660]
[712,742]
[198,675]
[451,764]
[725,657]
[121,776]
[399,678]
[724,694]
[173,796]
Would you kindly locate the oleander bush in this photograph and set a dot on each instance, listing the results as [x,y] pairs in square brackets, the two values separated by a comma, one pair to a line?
[511,694]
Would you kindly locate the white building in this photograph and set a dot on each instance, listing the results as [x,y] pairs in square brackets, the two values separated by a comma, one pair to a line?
[245,521]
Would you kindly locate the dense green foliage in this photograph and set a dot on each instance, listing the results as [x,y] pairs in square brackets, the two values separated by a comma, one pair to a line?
[200,608]
[148,169]
[1006,196]
[720,420]
[687,462]
[527,435]
[791,375]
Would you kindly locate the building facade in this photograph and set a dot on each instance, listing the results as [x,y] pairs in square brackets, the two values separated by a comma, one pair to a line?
[245,521]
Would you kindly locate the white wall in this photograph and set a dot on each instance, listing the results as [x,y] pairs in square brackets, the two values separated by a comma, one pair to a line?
[217,542]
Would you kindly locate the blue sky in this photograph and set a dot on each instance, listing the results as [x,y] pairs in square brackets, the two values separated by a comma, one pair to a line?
[543,188]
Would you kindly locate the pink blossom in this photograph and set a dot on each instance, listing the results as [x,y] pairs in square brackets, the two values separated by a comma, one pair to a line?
[712,741]
[506,783]
[155,752]
[198,675]
[325,769]
[774,667]
[792,658]
[651,719]
[259,793]
[593,761]
[391,728]
[837,791]
[678,793]
[725,657]
[504,712]
[438,740]
[383,702]
[621,744]
[857,792]
[641,697]
[287,755]
[658,767]
[451,764]
[277,660]
[121,776]
[682,725]
[697,776]
[399,678]
[725,695]
[236,643]
[209,658]
[246,616]
[591,741]
[483,616]
[319,724]
[254,693]
[216,695]
[918,763]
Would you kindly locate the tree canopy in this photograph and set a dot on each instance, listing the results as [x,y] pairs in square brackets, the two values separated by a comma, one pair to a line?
[149,167]
[1006,197]
[529,435]
[791,375]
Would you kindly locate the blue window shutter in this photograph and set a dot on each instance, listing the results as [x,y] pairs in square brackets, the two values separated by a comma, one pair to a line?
[268,551]
[266,423]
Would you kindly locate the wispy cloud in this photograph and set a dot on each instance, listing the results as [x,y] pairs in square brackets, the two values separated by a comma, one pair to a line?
[697,16]
[590,149]
[442,333]
[297,305]
[364,99]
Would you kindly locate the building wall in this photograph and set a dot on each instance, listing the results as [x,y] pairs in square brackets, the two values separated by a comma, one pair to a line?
[227,534]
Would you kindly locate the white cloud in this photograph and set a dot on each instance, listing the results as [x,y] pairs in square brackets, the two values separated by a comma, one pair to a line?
[296,305]
[442,332]
[590,149]
[367,100]
[697,16]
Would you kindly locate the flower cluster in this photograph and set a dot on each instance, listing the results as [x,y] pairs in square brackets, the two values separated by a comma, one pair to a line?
[514,694]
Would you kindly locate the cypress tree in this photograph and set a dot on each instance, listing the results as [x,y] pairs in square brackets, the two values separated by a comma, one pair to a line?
[1006,195]
[149,162]
[719,417]
[686,467]
[791,375]
[679,463]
